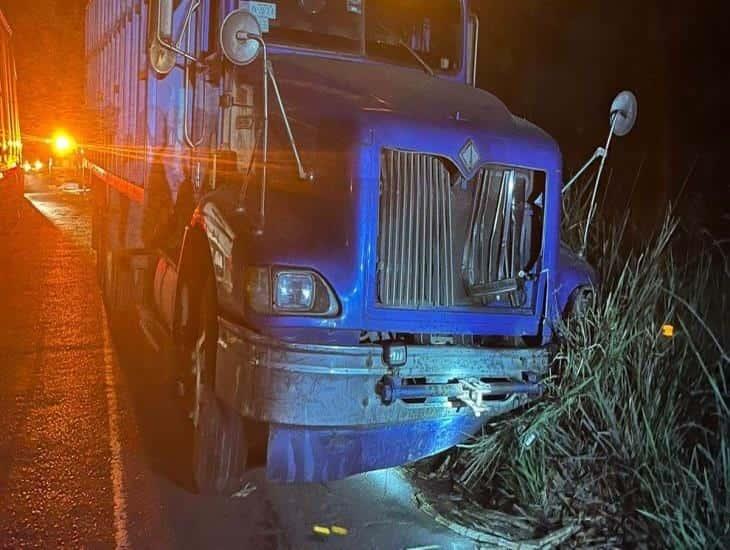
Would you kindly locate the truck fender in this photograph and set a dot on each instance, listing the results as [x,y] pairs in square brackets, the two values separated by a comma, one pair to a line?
[194,267]
[574,275]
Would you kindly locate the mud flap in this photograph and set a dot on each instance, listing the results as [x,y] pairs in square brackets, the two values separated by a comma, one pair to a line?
[313,455]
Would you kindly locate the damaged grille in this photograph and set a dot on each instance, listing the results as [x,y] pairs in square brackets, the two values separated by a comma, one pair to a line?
[444,241]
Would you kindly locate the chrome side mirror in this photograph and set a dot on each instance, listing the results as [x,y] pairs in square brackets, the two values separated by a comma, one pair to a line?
[240,37]
[164,49]
[624,110]
[162,58]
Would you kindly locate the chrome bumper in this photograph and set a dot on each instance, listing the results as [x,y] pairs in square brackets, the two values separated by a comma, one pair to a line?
[351,386]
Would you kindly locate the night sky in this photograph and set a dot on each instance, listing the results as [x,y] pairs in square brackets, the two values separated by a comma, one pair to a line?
[558,63]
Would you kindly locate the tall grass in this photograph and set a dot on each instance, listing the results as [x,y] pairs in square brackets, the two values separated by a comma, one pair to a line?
[632,438]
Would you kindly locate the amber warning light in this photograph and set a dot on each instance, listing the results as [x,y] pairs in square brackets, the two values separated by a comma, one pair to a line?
[63,144]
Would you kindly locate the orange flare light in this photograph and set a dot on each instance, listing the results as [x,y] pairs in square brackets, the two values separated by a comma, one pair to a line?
[63,144]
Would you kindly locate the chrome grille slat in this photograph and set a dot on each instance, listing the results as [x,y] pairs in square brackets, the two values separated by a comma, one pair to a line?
[506,226]
[448,243]
[411,183]
[400,276]
[430,297]
[518,220]
[436,243]
[391,207]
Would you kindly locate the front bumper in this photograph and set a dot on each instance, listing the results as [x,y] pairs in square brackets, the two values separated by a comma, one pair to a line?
[328,414]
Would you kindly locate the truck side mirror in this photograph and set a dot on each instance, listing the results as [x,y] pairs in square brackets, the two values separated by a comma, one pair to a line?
[240,37]
[623,113]
[162,58]
[164,49]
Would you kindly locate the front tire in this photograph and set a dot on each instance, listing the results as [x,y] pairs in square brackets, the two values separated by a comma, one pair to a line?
[117,289]
[220,446]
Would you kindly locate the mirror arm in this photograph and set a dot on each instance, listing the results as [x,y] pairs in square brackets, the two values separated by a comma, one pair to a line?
[194,5]
[187,133]
[600,152]
[592,210]
[303,174]
[264,176]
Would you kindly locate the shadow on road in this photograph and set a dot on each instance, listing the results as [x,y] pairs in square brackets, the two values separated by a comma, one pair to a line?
[165,431]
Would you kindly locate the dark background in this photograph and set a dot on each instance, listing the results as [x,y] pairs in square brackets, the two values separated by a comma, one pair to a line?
[558,63]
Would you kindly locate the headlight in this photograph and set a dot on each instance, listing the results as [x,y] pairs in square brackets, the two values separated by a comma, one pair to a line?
[286,291]
[294,291]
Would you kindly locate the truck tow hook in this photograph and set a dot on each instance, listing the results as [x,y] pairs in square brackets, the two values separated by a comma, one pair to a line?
[471,392]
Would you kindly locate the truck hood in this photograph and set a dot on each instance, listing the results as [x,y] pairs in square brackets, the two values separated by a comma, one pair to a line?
[344,88]
[363,97]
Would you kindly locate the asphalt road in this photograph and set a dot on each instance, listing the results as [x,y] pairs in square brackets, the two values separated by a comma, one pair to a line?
[92,449]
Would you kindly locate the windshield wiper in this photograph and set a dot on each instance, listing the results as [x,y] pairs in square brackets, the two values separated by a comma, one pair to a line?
[414,53]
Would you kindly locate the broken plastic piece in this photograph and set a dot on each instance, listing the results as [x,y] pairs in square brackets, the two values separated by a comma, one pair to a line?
[245,490]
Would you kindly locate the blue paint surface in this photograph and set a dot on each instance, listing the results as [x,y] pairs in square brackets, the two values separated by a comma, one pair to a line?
[302,454]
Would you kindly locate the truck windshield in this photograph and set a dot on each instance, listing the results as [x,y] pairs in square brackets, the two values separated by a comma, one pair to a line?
[431,28]
[332,25]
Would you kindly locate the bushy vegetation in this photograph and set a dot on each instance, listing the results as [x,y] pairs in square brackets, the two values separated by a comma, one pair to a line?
[631,441]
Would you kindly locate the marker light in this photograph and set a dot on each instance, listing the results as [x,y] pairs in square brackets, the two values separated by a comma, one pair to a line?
[395,354]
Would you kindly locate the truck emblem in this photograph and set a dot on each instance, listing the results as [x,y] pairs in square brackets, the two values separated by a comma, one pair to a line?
[469,155]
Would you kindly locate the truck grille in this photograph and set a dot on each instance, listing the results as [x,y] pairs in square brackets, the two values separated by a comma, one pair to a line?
[416,265]
[429,215]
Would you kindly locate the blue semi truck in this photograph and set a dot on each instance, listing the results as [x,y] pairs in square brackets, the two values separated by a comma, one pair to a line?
[342,242]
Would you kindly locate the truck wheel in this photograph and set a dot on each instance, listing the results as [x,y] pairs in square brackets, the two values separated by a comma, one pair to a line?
[220,447]
[117,290]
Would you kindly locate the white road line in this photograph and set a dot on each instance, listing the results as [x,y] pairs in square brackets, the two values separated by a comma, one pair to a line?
[121,532]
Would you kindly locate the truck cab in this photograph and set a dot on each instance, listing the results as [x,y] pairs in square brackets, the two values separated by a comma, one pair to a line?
[369,266]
